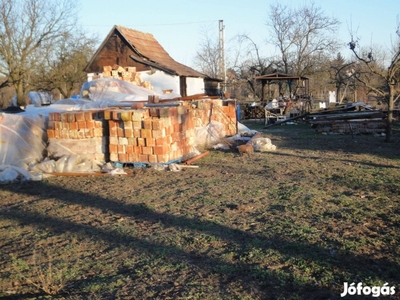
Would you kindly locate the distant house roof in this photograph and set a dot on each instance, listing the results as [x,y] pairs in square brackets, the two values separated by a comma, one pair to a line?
[149,52]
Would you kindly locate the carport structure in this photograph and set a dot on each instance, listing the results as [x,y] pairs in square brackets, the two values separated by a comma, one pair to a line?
[299,101]
[301,91]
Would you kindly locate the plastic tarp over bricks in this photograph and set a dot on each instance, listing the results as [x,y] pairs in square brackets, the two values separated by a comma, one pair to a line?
[22,139]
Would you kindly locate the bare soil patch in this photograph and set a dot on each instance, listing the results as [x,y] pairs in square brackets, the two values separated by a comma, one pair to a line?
[291,224]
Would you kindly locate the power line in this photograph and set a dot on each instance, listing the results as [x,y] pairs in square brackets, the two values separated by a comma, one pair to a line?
[163,24]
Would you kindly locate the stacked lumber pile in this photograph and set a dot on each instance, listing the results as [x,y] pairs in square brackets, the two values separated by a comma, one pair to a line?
[350,118]
[77,133]
[152,134]
[253,112]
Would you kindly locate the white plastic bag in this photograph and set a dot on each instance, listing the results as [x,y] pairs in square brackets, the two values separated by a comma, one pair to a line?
[12,173]
[8,175]
[263,145]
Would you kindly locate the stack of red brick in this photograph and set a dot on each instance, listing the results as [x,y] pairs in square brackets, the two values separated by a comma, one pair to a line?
[128,74]
[150,135]
[222,111]
[78,132]
[159,134]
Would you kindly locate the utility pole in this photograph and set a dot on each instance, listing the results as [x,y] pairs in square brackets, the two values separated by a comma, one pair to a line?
[222,71]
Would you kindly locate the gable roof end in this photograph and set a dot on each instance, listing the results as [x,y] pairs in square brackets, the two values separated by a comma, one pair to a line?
[148,48]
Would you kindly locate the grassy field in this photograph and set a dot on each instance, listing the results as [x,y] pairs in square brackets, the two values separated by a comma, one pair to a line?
[295,223]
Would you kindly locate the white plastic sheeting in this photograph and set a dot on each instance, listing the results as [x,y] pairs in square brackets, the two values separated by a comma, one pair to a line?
[111,89]
[22,139]
[162,81]
[11,173]
[114,89]
[36,98]
[68,164]
[210,134]
[263,145]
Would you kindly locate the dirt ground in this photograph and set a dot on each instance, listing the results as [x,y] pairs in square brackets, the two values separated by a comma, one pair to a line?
[295,223]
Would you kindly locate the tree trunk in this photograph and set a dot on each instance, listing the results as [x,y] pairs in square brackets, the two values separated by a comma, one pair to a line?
[21,97]
[338,93]
[388,138]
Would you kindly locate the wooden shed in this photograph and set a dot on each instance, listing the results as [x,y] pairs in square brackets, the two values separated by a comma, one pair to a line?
[141,52]
[302,88]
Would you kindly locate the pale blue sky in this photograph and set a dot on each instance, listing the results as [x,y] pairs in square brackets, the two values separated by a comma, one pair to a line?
[179,25]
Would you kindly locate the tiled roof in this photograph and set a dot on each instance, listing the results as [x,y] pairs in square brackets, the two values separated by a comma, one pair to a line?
[148,49]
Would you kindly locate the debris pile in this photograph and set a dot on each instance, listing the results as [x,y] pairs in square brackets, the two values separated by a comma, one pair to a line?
[108,91]
[350,118]
[262,144]
[257,143]
[127,74]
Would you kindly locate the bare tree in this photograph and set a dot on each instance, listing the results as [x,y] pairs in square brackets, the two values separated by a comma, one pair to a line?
[302,36]
[247,63]
[341,74]
[62,66]
[25,27]
[207,57]
[389,75]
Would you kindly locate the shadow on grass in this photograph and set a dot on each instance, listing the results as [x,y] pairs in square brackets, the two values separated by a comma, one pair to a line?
[268,283]
[302,136]
[365,163]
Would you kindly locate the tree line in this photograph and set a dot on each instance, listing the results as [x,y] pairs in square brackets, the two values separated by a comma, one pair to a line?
[306,45]
[42,48]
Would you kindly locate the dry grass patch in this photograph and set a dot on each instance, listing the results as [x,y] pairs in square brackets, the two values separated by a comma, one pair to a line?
[290,224]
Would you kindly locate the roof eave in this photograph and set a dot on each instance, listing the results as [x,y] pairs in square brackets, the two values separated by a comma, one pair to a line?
[153,64]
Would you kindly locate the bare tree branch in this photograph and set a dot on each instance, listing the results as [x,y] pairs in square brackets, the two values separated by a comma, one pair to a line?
[301,35]
[388,75]
[25,26]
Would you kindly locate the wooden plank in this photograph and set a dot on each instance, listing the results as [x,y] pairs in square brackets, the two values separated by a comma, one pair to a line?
[348,115]
[377,120]
[77,174]
[196,158]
